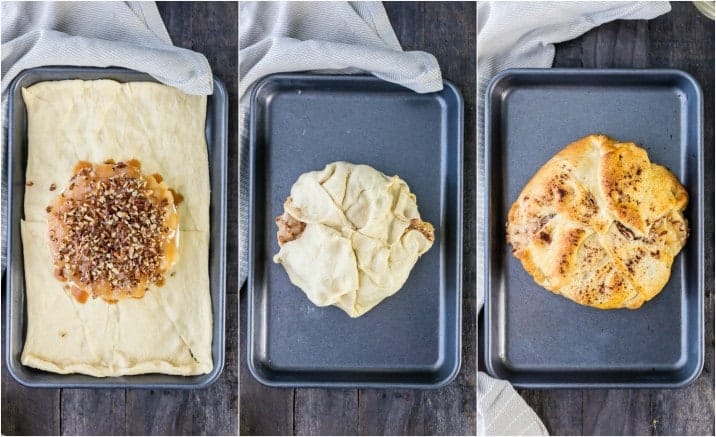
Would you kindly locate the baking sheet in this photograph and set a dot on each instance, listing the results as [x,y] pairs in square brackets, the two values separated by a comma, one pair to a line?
[15,311]
[301,123]
[537,339]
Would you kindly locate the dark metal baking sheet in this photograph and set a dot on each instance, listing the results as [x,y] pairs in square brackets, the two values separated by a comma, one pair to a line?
[15,311]
[541,340]
[301,123]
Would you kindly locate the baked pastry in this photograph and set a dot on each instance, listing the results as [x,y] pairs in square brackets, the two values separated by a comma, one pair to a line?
[600,224]
[350,235]
[168,329]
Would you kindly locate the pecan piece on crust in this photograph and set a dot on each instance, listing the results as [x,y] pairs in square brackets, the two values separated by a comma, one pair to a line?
[289,228]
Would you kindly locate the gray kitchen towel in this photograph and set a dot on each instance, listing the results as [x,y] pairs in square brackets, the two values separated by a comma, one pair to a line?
[523,34]
[329,37]
[97,34]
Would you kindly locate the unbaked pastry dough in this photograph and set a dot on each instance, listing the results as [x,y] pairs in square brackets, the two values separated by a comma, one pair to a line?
[169,330]
[362,236]
[600,224]
[166,331]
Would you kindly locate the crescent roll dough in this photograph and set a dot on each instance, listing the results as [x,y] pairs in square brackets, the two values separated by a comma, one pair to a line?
[350,236]
[169,330]
[600,224]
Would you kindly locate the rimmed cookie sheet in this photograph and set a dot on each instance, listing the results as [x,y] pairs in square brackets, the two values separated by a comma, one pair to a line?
[412,339]
[537,339]
[15,311]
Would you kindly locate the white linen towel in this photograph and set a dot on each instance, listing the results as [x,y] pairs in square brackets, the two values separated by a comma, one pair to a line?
[337,37]
[523,34]
[97,34]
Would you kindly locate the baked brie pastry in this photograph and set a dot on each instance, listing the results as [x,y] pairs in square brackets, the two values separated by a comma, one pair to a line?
[600,224]
[350,235]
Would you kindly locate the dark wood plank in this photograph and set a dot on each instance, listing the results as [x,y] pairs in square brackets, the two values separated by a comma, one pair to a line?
[215,409]
[569,54]
[326,412]
[264,410]
[682,39]
[560,411]
[158,412]
[635,416]
[28,411]
[392,412]
[615,45]
[93,412]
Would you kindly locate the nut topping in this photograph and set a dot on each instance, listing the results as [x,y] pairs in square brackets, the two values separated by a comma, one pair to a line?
[111,234]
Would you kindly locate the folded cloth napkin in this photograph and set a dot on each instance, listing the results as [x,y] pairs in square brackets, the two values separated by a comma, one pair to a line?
[330,37]
[511,35]
[97,34]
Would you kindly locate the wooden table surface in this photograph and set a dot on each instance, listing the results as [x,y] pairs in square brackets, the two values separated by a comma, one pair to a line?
[682,39]
[448,31]
[212,30]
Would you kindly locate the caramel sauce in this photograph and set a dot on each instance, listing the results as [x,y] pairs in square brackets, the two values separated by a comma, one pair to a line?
[178,198]
[80,165]
[77,189]
[59,276]
[79,294]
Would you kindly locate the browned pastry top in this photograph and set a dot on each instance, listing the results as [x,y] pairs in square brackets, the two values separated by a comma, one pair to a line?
[600,224]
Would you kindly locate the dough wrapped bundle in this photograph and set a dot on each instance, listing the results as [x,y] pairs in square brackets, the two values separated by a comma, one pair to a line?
[350,236]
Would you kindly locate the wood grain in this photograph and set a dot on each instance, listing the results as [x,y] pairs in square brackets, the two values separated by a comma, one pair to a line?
[326,412]
[682,39]
[557,412]
[158,412]
[28,411]
[448,31]
[598,416]
[81,410]
[392,412]
[216,408]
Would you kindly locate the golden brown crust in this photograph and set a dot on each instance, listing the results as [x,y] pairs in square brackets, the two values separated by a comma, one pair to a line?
[600,224]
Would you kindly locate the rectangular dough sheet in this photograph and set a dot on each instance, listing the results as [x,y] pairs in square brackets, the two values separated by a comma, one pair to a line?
[95,120]
[169,330]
